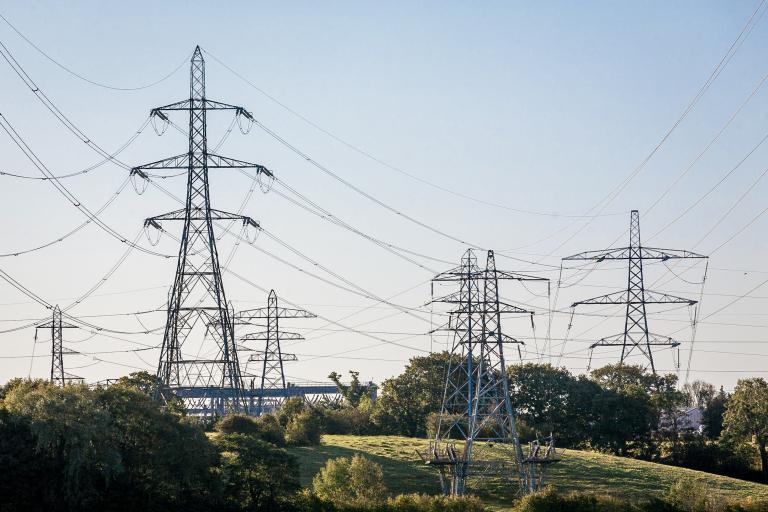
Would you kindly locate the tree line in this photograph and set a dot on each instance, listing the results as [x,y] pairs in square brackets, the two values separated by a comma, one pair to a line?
[620,409]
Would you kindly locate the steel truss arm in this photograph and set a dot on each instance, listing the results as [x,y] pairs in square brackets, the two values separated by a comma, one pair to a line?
[259,358]
[265,335]
[653,340]
[623,297]
[623,253]
[245,317]
[654,253]
[197,104]
[199,215]
[213,161]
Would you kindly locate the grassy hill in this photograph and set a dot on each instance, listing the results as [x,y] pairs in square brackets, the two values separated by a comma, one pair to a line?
[578,471]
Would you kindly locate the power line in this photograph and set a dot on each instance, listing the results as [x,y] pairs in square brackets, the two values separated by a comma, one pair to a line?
[393,167]
[85,79]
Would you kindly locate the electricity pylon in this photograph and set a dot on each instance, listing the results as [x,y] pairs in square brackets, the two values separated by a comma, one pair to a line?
[57,326]
[636,297]
[272,358]
[197,301]
[477,409]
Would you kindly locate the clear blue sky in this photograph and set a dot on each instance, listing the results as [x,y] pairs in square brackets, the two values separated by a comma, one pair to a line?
[542,107]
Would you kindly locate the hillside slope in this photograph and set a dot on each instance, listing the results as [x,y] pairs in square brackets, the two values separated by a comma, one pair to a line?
[578,471]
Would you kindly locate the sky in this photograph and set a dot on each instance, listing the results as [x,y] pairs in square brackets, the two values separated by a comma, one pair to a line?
[528,128]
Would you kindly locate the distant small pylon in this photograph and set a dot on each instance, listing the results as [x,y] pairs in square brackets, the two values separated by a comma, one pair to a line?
[58,375]
[272,357]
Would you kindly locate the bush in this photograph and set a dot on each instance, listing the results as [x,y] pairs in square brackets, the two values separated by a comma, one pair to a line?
[266,427]
[550,501]
[690,495]
[237,424]
[357,482]
[304,429]
[347,420]
[290,409]
[428,503]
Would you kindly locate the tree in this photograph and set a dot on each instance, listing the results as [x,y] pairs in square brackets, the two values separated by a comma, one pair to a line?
[406,401]
[633,379]
[746,416]
[109,448]
[256,475]
[541,395]
[712,418]
[147,383]
[356,482]
[699,393]
[353,392]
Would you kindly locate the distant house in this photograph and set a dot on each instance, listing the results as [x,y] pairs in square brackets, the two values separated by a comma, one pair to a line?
[688,420]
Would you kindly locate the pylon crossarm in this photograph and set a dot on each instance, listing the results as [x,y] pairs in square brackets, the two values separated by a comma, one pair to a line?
[652,297]
[244,317]
[197,104]
[225,162]
[653,253]
[653,340]
[503,307]
[459,274]
[199,215]
[623,297]
[266,335]
[509,339]
[173,162]
[451,298]
[514,276]
[620,253]
[258,358]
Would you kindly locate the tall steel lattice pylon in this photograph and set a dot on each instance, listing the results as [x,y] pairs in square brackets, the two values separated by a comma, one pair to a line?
[636,297]
[477,411]
[197,305]
[272,357]
[58,375]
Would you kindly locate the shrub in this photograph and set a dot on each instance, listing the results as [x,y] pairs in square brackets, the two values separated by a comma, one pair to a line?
[550,501]
[304,429]
[428,503]
[237,424]
[347,420]
[270,429]
[357,482]
[290,409]
[690,495]
[266,427]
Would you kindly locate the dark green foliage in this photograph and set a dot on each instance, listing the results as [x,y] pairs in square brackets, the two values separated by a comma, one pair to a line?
[713,415]
[725,457]
[746,417]
[266,427]
[347,420]
[290,408]
[256,475]
[115,449]
[305,428]
[406,401]
[354,392]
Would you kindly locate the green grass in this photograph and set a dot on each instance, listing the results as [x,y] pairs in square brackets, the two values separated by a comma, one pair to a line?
[577,471]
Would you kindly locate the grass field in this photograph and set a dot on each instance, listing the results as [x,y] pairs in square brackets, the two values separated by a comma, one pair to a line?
[583,471]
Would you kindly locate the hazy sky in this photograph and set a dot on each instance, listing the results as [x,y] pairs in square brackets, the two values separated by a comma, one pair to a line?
[545,108]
